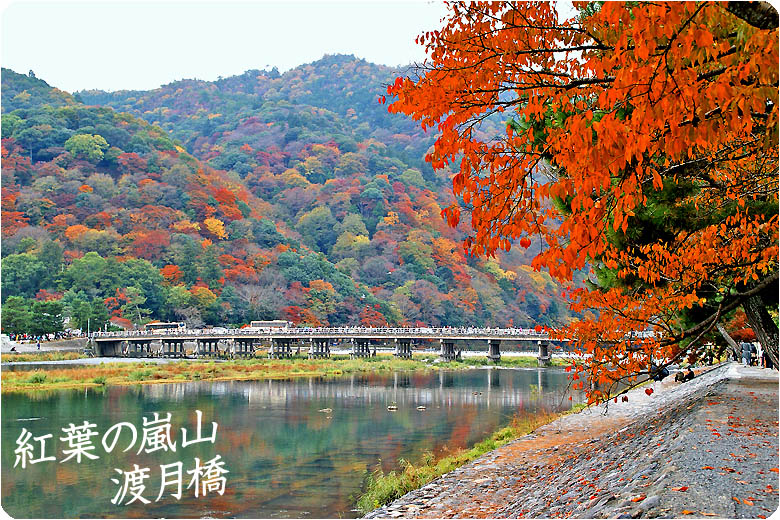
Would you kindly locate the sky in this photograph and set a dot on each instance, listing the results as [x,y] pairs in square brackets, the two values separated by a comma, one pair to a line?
[118,45]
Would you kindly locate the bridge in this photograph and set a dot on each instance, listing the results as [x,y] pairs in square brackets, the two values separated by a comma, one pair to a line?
[281,342]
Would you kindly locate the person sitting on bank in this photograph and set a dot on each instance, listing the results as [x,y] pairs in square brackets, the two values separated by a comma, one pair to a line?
[658,374]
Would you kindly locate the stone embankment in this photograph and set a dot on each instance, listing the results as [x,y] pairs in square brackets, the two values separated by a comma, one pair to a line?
[62,345]
[705,448]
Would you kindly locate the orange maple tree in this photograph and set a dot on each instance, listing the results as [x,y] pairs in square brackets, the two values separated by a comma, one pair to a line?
[608,111]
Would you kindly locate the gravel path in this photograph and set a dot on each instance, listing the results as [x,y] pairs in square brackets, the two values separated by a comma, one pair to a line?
[704,448]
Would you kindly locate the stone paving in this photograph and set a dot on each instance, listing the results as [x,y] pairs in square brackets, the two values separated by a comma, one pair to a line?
[708,447]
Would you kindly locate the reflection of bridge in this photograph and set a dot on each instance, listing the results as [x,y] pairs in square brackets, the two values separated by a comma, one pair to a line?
[362,341]
[439,390]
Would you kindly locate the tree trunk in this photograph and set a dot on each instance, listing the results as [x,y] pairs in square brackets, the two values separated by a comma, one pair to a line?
[758,14]
[763,325]
[735,350]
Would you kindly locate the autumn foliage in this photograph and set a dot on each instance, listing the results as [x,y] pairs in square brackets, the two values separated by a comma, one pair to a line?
[615,112]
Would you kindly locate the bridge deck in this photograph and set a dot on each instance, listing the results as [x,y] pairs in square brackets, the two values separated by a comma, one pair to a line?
[336,333]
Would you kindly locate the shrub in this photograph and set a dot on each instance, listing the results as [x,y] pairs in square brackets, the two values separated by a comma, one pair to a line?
[38,377]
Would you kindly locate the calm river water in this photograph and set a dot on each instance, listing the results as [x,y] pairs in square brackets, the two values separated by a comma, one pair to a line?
[293,449]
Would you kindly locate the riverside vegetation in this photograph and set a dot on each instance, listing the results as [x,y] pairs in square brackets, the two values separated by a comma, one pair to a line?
[95,375]
[382,488]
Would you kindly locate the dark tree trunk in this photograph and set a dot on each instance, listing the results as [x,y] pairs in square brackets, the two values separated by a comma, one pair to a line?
[735,350]
[758,14]
[763,325]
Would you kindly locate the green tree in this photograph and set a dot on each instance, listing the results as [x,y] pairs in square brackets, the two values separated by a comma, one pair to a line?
[17,315]
[46,317]
[317,228]
[23,275]
[134,309]
[87,274]
[86,146]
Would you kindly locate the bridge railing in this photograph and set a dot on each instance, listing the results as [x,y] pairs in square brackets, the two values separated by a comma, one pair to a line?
[422,332]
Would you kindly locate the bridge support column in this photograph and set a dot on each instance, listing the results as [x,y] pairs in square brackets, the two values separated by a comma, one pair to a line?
[494,353]
[172,348]
[403,348]
[447,352]
[243,347]
[280,348]
[207,347]
[361,348]
[136,348]
[543,358]
[320,348]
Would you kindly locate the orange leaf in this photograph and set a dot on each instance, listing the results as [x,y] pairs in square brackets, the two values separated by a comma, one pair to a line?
[774,469]
[747,502]
[638,498]
[681,488]
[707,467]
[687,512]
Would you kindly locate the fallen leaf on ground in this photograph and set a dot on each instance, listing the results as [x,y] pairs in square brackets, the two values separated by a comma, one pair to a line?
[747,502]
[687,512]
[708,514]
[681,488]
[707,467]
[638,498]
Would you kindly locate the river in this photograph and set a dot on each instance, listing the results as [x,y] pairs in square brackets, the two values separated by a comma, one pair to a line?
[293,449]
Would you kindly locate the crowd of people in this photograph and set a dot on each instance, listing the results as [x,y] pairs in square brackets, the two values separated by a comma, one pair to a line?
[38,338]
[754,356]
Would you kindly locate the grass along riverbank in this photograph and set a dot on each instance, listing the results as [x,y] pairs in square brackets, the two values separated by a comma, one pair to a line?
[14,357]
[64,376]
[382,488]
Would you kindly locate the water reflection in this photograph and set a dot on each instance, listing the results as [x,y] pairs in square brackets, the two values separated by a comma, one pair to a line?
[294,448]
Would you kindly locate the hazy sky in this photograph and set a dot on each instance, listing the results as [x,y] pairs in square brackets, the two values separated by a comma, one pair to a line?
[114,45]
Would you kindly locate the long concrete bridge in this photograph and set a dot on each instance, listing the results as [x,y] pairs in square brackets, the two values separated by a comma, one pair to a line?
[281,342]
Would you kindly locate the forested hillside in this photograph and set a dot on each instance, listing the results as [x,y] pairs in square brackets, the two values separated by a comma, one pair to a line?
[260,196]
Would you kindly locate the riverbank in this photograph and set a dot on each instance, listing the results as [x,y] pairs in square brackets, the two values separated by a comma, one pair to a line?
[382,488]
[56,375]
[704,448]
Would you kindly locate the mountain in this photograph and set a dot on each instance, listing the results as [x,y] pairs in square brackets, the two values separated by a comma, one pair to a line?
[260,196]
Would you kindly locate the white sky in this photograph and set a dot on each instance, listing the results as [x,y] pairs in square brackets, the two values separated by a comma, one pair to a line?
[115,45]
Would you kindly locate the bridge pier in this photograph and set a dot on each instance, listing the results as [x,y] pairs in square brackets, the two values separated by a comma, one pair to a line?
[543,358]
[361,348]
[319,348]
[138,348]
[172,348]
[207,347]
[280,348]
[403,348]
[243,347]
[108,348]
[494,353]
[447,351]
